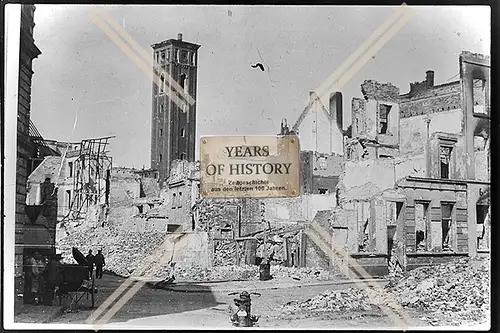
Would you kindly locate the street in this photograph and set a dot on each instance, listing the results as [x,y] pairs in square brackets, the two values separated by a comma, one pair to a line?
[208,306]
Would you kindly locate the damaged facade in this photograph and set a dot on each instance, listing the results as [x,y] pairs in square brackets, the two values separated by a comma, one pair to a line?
[28,51]
[416,173]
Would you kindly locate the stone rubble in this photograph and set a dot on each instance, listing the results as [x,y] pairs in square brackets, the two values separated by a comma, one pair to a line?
[453,293]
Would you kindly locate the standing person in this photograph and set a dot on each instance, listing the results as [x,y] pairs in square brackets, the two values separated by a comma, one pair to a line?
[41,264]
[28,279]
[90,262]
[99,263]
[53,276]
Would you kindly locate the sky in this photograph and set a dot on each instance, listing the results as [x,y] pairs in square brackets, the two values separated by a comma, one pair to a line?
[84,86]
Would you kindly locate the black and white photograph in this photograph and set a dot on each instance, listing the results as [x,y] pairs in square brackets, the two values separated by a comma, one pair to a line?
[223,167]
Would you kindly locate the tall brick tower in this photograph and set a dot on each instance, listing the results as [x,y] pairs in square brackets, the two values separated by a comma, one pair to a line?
[173,125]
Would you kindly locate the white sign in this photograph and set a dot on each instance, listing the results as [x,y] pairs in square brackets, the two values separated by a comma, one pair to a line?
[249,166]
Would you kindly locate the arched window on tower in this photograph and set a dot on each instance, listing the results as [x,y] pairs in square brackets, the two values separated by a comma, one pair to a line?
[161,157]
[162,83]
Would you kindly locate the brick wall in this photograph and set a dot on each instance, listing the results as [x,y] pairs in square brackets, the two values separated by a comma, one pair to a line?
[440,98]
[28,51]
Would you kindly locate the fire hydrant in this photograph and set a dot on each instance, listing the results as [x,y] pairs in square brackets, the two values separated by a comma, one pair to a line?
[243,316]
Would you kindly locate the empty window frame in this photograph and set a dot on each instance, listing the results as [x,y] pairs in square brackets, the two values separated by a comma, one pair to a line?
[483,227]
[179,199]
[174,201]
[183,156]
[161,131]
[68,198]
[479,95]
[445,161]
[422,219]
[384,111]
[363,215]
[161,157]
[323,191]
[446,226]
[183,132]
[70,169]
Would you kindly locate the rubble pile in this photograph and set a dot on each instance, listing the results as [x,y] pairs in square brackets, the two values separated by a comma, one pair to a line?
[224,253]
[350,299]
[302,274]
[123,250]
[452,293]
[217,273]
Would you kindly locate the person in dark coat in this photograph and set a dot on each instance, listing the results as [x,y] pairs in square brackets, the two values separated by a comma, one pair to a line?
[28,279]
[90,262]
[53,278]
[99,263]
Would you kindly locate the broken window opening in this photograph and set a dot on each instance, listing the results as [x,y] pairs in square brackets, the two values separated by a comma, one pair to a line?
[421,226]
[183,156]
[363,215]
[384,111]
[174,202]
[179,200]
[384,156]
[161,108]
[171,228]
[183,132]
[70,168]
[161,157]
[479,95]
[445,161]
[323,191]
[140,208]
[446,223]
[68,198]
[483,227]
[161,131]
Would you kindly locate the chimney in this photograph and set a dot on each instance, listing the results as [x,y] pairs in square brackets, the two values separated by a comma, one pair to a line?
[429,78]
[179,36]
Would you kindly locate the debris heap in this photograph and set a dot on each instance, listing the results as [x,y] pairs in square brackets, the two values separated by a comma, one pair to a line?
[454,293]
[123,250]
[350,299]
[448,294]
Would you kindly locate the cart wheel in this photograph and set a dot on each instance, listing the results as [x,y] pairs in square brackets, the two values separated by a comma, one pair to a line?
[92,292]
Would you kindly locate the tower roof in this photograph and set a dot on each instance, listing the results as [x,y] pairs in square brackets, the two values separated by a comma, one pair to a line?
[176,42]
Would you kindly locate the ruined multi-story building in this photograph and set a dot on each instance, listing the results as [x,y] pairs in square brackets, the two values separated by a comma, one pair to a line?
[417,170]
[28,52]
[173,125]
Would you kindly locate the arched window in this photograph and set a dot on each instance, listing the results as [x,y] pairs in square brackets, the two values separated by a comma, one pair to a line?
[162,83]
[161,157]
[161,131]
[183,132]
[183,81]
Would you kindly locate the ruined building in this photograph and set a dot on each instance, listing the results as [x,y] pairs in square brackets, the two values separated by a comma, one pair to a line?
[415,187]
[28,51]
[173,131]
